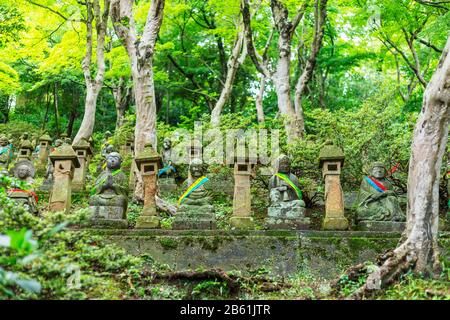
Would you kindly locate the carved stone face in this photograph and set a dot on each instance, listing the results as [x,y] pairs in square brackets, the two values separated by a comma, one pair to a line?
[109,149]
[196,168]
[284,164]
[113,162]
[378,172]
[167,144]
[4,142]
[23,172]
[58,143]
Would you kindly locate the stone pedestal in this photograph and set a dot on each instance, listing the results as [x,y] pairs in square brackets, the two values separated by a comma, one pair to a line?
[83,151]
[149,218]
[148,163]
[287,215]
[334,204]
[189,218]
[331,160]
[367,225]
[65,161]
[109,216]
[242,211]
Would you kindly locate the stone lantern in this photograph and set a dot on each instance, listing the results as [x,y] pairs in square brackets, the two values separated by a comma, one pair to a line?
[243,169]
[84,152]
[64,160]
[331,160]
[44,147]
[148,162]
[25,151]
[128,148]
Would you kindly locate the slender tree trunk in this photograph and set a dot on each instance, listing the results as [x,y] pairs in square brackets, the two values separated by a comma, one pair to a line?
[45,120]
[419,248]
[93,85]
[320,14]
[259,99]
[56,108]
[233,65]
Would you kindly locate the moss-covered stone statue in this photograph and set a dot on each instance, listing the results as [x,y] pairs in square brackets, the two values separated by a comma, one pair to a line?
[378,205]
[108,200]
[22,191]
[49,178]
[5,153]
[195,210]
[287,209]
[166,175]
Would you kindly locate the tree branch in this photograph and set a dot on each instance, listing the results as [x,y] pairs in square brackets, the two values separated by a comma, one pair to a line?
[257,60]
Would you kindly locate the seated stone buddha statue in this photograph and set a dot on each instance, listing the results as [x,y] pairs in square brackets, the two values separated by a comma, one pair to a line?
[377,200]
[195,210]
[109,194]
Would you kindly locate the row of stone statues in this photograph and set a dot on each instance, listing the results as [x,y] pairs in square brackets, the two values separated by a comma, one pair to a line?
[377,202]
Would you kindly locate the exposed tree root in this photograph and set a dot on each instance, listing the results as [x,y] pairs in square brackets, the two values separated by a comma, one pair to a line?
[234,282]
[165,207]
[389,267]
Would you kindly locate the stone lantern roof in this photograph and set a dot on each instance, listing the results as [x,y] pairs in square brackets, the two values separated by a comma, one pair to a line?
[45,137]
[83,145]
[148,155]
[65,152]
[331,152]
[26,144]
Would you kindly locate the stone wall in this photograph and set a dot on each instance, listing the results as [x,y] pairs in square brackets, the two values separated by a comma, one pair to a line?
[322,253]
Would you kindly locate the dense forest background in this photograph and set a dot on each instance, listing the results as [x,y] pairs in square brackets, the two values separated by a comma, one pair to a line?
[357,69]
[353,71]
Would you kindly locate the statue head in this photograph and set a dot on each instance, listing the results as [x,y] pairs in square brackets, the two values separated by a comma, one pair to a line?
[3,141]
[108,134]
[113,161]
[378,170]
[196,168]
[68,141]
[25,136]
[109,149]
[58,143]
[283,164]
[23,171]
[167,143]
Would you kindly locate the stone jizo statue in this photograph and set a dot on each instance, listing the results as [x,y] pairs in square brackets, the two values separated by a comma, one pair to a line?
[195,210]
[286,208]
[23,192]
[377,201]
[5,152]
[109,195]
[169,170]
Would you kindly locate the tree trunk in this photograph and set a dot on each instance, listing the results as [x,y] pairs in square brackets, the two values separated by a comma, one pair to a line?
[93,85]
[281,76]
[87,125]
[320,14]
[55,105]
[140,54]
[419,248]
[233,65]
[259,99]
[122,97]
